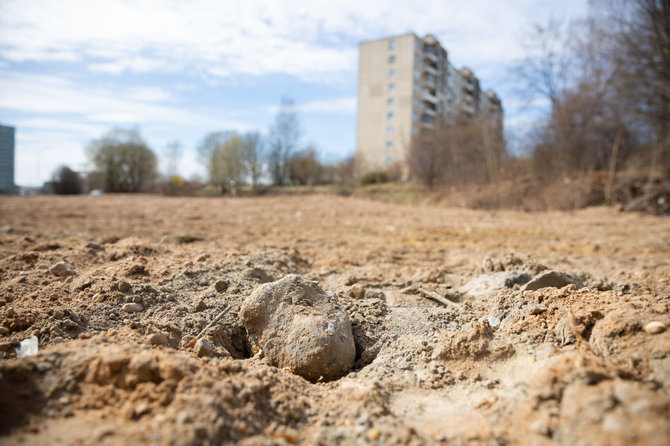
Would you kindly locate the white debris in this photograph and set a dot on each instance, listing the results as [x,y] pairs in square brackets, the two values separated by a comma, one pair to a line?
[28,347]
[494,321]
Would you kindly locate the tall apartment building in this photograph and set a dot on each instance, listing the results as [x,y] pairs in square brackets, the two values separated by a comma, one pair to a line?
[6,159]
[405,83]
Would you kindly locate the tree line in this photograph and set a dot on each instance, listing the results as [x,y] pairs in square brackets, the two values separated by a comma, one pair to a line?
[123,162]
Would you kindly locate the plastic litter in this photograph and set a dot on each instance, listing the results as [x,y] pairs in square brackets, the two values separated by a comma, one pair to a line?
[494,321]
[28,347]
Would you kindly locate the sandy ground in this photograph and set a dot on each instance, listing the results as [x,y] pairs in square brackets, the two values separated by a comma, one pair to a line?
[569,363]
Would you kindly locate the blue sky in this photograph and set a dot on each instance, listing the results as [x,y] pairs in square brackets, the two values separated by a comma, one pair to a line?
[70,70]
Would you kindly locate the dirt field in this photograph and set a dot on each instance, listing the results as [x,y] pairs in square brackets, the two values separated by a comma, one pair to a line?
[462,333]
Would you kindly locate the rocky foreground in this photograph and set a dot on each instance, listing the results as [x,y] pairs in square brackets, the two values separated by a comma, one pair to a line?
[322,320]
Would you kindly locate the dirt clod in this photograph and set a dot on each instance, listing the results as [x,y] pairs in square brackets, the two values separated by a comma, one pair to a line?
[300,327]
[62,269]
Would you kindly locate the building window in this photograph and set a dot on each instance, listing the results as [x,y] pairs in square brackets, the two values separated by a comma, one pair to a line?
[417,44]
[415,116]
[389,145]
[389,101]
[391,87]
[391,73]
[391,58]
[389,130]
[389,159]
[389,115]
[392,44]
[415,130]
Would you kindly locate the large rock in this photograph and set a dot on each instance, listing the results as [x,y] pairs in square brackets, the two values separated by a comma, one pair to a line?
[552,279]
[298,326]
[486,284]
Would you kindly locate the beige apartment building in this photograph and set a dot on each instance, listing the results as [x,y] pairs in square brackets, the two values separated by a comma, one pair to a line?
[406,83]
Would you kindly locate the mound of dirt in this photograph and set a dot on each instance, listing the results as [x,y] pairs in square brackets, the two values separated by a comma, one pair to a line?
[153,340]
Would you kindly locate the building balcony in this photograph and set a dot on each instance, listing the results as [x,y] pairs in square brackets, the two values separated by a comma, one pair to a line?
[430,70]
[429,111]
[427,119]
[430,55]
[467,108]
[429,97]
[429,80]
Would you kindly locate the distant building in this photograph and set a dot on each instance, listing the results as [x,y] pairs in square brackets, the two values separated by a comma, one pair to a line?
[7,159]
[405,83]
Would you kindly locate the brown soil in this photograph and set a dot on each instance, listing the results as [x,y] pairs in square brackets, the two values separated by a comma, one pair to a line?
[568,366]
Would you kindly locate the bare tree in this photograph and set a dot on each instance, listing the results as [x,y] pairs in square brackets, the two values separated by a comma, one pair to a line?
[284,140]
[641,32]
[428,156]
[173,154]
[545,70]
[253,152]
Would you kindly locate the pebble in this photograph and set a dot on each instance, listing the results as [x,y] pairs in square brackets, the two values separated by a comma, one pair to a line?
[3,330]
[94,246]
[220,286]
[124,286]
[132,308]
[204,348]
[158,339]
[357,290]
[62,269]
[373,433]
[655,327]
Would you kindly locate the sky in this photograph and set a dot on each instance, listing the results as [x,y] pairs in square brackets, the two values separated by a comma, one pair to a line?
[71,70]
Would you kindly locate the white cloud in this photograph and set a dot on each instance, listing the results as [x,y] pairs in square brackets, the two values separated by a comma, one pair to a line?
[56,95]
[341,105]
[314,40]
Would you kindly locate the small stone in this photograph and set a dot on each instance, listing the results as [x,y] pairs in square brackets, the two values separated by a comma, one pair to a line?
[199,306]
[220,286]
[538,310]
[3,330]
[655,327]
[202,258]
[132,307]
[62,269]
[94,246]
[158,339]
[357,290]
[124,286]
[42,366]
[373,433]
[204,348]
[552,279]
